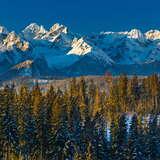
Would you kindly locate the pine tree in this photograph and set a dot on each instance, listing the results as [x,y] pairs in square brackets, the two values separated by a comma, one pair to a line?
[9,124]
[75,122]
[97,106]
[133,93]
[143,106]
[1,139]
[113,100]
[73,88]
[83,99]
[121,139]
[123,84]
[46,141]
[36,100]
[92,93]
[99,141]
[113,131]
[23,100]
[50,96]
[155,91]
[152,145]
[62,136]
[29,135]
[133,145]
[56,108]
[142,140]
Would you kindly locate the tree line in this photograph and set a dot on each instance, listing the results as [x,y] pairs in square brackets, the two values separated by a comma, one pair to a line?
[82,122]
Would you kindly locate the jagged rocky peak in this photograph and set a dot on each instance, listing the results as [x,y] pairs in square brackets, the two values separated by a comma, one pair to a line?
[38,32]
[57,28]
[136,34]
[34,31]
[12,37]
[12,40]
[153,34]
[35,28]
[3,30]
[80,47]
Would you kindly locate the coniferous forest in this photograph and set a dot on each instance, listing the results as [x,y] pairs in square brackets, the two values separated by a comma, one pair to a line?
[82,122]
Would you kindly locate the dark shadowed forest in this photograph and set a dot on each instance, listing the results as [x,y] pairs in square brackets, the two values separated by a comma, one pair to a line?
[82,122]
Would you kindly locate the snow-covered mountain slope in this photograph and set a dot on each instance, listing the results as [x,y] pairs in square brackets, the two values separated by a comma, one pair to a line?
[127,47]
[60,47]
[56,51]
[30,68]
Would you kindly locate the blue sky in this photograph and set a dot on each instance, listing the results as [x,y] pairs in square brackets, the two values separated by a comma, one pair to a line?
[82,16]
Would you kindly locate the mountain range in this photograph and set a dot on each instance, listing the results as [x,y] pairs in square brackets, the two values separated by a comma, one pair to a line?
[58,52]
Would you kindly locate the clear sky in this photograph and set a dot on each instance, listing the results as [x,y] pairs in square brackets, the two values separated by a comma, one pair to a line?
[82,16]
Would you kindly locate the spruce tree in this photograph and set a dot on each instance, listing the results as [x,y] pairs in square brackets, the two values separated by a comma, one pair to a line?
[121,139]
[46,146]
[62,137]
[152,145]
[36,98]
[29,135]
[9,124]
[133,93]
[99,140]
[123,84]
[97,106]
[133,144]
[75,122]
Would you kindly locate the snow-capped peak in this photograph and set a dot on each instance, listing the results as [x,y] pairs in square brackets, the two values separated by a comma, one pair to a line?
[133,34]
[3,30]
[153,34]
[136,34]
[63,50]
[80,47]
[57,28]
[11,41]
[34,31]
[35,28]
